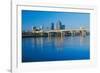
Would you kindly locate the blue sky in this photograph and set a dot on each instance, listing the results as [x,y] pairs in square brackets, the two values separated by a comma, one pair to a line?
[69,19]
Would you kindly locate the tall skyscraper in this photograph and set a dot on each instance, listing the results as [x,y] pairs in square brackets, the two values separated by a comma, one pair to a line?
[58,25]
[62,26]
[41,27]
[52,26]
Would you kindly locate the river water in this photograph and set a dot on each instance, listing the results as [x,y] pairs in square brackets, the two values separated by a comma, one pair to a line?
[55,48]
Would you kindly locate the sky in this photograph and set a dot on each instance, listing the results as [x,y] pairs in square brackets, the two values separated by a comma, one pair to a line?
[71,20]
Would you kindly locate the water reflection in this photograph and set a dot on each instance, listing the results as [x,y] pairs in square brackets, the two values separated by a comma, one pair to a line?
[59,43]
[55,48]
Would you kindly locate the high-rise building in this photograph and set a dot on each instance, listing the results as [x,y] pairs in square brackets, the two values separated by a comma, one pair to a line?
[62,26]
[58,25]
[41,27]
[52,26]
[34,28]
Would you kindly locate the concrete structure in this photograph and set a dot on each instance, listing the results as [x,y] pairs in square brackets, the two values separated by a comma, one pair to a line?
[62,32]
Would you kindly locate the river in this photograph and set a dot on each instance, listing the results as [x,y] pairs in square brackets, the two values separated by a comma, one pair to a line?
[39,49]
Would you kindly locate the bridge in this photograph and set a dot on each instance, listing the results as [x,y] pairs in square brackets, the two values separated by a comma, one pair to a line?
[62,32]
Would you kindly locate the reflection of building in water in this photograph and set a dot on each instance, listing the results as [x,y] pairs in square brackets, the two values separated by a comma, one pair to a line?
[81,40]
[38,43]
[59,42]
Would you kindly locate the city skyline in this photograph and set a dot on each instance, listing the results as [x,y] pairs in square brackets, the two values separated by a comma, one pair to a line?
[37,19]
[67,37]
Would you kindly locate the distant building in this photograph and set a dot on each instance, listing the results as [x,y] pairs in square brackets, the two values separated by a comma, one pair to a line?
[52,26]
[47,28]
[59,25]
[34,28]
[41,27]
[62,26]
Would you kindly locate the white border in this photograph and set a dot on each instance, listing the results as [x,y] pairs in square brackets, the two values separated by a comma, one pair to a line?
[18,66]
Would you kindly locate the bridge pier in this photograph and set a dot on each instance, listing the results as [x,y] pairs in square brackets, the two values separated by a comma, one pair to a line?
[41,33]
[72,33]
[49,35]
[61,34]
[82,33]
